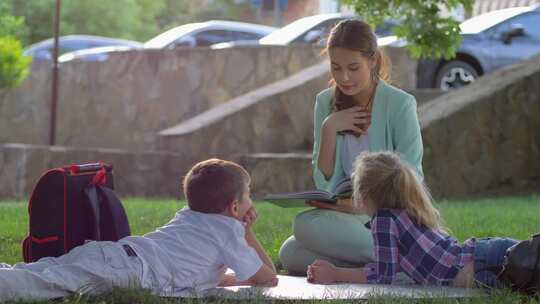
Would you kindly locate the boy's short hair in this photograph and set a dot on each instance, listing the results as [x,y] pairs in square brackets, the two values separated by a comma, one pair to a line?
[211,185]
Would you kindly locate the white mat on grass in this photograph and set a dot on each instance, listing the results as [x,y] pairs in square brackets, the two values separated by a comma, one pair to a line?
[290,287]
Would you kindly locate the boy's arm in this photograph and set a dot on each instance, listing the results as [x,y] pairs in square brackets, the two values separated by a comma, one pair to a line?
[228,279]
[266,275]
[252,241]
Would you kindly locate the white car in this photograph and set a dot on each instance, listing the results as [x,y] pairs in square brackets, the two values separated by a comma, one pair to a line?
[187,35]
[308,30]
[208,33]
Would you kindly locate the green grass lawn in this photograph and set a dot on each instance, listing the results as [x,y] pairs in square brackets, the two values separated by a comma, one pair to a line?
[516,217]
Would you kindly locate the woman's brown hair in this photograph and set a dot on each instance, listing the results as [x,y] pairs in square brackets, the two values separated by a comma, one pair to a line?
[356,35]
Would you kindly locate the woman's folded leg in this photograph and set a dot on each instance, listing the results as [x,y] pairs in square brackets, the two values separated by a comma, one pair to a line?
[338,237]
[296,258]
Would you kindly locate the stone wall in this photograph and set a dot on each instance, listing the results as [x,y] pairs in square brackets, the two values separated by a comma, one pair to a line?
[486,136]
[123,102]
[278,172]
[275,118]
[152,174]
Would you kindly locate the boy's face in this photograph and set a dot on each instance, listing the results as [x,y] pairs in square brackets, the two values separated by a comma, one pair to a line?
[243,204]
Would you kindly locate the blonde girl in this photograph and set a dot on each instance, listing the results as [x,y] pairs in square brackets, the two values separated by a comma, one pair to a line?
[408,233]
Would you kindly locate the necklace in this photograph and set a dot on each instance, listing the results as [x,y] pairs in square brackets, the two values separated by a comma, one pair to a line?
[367,107]
[370,101]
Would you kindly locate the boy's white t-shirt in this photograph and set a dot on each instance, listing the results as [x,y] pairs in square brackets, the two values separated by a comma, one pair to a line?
[192,252]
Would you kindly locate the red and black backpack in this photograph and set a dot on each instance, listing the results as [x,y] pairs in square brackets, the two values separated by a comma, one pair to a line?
[70,205]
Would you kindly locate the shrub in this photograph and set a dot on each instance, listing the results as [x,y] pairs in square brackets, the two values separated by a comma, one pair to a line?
[13,64]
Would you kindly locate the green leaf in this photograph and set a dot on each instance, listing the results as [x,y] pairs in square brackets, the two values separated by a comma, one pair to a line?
[428,34]
[13,64]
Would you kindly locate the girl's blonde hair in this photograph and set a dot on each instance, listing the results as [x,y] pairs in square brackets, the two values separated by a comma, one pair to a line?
[383,180]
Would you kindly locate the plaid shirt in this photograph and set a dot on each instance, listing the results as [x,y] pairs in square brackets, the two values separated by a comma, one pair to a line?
[426,255]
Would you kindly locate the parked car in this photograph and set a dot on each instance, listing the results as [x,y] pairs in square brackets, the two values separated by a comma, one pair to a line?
[188,35]
[44,50]
[95,54]
[208,33]
[308,30]
[490,41]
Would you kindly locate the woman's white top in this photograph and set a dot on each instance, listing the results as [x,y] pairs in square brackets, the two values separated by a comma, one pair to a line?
[352,147]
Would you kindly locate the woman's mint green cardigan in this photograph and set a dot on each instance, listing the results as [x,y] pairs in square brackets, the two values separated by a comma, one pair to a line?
[394,127]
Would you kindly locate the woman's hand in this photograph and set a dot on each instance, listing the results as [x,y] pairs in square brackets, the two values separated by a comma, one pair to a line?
[343,205]
[354,119]
[322,272]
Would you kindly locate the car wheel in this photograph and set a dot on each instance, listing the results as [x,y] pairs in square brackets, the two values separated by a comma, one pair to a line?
[454,75]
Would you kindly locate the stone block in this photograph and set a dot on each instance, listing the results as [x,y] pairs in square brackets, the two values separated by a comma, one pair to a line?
[148,174]
[278,172]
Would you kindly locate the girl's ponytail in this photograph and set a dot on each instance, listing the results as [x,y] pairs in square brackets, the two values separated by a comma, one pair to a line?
[416,199]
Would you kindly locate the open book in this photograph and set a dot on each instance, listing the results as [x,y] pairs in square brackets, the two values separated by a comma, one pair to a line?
[343,189]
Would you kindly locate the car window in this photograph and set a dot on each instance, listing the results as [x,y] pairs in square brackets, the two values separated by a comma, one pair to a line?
[73,45]
[246,36]
[184,41]
[98,43]
[528,20]
[530,24]
[44,53]
[207,38]
[64,47]
[318,34]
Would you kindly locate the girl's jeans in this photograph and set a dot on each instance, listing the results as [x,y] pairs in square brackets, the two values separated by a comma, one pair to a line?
[489,252]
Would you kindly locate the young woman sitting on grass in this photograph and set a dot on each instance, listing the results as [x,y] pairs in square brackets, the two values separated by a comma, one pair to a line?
[408,233]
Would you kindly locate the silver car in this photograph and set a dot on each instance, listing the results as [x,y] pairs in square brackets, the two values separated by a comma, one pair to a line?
[43,51]
[199,34]
[308,30]
[490,41]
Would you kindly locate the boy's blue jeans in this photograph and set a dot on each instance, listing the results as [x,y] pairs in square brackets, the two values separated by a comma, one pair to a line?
[489,252]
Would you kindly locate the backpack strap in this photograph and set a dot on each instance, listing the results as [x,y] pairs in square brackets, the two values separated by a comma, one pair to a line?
[90,191]
[93,201]
[113,204]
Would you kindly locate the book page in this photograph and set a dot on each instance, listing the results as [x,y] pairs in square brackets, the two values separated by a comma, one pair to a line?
[297,199]
[344,188]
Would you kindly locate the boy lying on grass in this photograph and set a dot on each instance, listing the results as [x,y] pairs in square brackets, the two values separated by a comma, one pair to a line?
[189,254]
